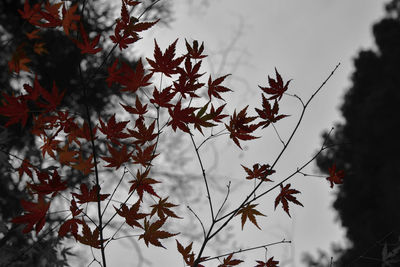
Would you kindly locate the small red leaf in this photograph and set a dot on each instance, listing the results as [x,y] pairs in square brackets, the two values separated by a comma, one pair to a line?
[249,212]
[131,214]
[165,63]
[152,234]
[276,89]
[89,196]
[335,177]
[35,215]
[286,195]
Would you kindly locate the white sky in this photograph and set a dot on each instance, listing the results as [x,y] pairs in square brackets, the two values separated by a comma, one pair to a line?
[304,39]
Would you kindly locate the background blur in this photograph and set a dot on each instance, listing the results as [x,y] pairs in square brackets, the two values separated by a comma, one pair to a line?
[304,40]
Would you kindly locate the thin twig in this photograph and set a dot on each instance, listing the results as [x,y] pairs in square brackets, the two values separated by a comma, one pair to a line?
[246,200]
[248,249]
[226,198]
[115,189]
[204,176]
[201,223]
[221,132]
[277,133]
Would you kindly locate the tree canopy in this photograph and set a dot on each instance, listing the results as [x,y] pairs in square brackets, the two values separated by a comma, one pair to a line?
[57,60]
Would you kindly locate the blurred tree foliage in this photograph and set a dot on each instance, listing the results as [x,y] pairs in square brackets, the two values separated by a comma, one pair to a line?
[61,65]
[368,152]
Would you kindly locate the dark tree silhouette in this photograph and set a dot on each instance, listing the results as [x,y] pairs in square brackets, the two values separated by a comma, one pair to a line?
[64,64]
[368,151]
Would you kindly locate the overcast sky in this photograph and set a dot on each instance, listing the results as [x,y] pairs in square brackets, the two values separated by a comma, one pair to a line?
[304,40]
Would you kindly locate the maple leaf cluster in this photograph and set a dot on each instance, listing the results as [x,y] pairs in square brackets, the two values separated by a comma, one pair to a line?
[189,104]
[64,136]
[127,27]
[49,15]
[239,125]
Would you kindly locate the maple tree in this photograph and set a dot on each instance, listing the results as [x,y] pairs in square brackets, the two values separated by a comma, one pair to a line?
[132,144]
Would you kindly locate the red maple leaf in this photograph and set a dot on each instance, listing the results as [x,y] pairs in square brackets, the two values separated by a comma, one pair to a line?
[191,73]
[33,34]
[127,27]
[216,113]
[75,211]
[163,98]
[25,168]
[259,172]
[121,37]
[194,51]
[35,214]
[114,73]
[90,238]
[48,185]
[53,99]
[268,114]
[39,48]
[51,15]
[228,261]
[335,177]
[84,132]
[31,14]
[269,263]
[66,156]
[139,109]
[214,87]
[113,130]
[286,195]
[185,86]
[276,89]
[249,212]
[133,80]
[143,134]
[87,46]
[202,119]
[187,254]
[165,63]
[131,214]
[118,157]
[71,225]
[144,157]
[181,117]
[16,109]
[122,40]
[50,146]
[141,26]
[69,18]
[84,165]
[18,60]
[143,183]
[162,208]
[89,196]
[240,128]
[152,234]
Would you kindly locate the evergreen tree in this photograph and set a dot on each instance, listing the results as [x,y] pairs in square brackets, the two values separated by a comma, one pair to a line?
[368,151]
